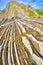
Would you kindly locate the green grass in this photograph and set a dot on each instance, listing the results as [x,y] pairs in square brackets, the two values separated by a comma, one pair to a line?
[2,11]
[39,11]
[31,13]
[34,12]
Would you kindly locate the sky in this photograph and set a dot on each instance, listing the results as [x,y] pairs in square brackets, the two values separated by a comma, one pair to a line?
[33,3]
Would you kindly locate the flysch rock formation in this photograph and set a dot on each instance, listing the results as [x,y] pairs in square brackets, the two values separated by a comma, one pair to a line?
[21,40]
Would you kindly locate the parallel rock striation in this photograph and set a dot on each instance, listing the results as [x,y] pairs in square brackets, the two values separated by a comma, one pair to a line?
[21,40]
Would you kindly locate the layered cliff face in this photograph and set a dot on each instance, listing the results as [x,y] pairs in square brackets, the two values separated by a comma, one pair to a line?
[14,9]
